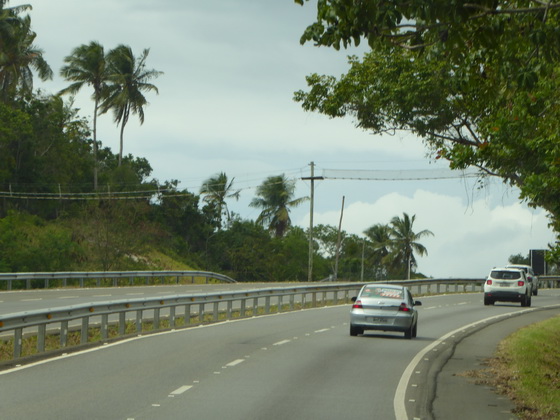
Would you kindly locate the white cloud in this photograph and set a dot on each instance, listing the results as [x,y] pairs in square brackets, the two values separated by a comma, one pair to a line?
[468,240]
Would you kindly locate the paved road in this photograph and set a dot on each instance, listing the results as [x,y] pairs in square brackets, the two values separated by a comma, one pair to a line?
[301,365]
[27,300]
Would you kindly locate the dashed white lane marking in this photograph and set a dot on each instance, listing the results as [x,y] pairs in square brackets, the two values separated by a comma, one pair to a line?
[279,343]
[180,390]
[31,300]
[323,330]
[68,297]
[109,295]
[235,362]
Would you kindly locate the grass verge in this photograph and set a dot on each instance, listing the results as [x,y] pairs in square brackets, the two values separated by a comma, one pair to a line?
[526,368]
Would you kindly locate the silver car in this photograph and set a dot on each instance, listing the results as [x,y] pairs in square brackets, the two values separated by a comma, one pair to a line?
[384,307]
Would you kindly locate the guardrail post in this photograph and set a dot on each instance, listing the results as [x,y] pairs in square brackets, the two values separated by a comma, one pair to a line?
[122,323]
[139,321]
[255,306]
[104,326]
[9,285]
[201,313]
[63,334]
[292,299]
[229,309]
[216,311]
[41,334]
[28,284]
[156,319]
[267,305]
[187,314]
[172,317]
[18,335]
[242,308]
[82,283]
[85,328]
[280,302]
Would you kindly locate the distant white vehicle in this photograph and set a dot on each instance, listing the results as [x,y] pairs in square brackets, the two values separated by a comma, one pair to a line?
[531,276]
[507,285]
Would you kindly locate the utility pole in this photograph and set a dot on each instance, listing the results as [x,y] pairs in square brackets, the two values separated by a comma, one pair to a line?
[338,241]
[312,178]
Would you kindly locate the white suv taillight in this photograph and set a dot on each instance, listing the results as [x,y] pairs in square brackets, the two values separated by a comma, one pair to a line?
[521,283]
[489,282]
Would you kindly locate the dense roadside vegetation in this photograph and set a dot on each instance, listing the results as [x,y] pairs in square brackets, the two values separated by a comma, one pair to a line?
[476,81]
[69,203]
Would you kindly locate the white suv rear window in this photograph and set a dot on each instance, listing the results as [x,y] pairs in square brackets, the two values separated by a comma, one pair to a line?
[505,275]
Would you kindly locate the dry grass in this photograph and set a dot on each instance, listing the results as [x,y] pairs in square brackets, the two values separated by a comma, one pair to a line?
[526,368]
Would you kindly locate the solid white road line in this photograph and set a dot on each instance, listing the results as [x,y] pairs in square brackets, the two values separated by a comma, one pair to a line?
[399,400]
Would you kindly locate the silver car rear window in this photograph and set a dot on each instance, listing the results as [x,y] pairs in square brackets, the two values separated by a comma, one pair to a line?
[382,292]
[505,275]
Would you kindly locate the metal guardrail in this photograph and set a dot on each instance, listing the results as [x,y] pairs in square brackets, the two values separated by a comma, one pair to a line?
[121,318]
[30,280]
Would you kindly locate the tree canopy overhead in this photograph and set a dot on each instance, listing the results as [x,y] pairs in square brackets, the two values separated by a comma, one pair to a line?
[477,81]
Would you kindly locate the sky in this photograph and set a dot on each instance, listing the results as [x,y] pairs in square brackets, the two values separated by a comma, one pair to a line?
[225,104]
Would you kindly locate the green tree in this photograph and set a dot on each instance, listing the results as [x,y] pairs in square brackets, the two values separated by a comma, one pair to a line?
[404,242]
[18,55]
[128,80]
[475,80]
[380,243]
[87,66]
[275,196]
[216,190]
[519,259]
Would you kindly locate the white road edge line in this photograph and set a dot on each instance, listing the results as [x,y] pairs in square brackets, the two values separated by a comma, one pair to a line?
[399,400]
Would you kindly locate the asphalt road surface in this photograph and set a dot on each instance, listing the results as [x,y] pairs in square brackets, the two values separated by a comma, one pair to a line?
[301,365]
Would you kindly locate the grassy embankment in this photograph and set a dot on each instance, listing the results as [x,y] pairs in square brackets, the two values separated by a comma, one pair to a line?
[526,368]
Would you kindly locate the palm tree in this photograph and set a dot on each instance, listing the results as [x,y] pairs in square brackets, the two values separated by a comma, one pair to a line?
[405,242]
[275,198]
[87,66]
[380,241]
[18,55]
[128,79]
[216,190]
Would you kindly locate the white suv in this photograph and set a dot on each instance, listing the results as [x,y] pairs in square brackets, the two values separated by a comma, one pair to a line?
[531,276]
[507,285]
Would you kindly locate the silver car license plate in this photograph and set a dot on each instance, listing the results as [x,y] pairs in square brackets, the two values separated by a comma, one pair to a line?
[376,320]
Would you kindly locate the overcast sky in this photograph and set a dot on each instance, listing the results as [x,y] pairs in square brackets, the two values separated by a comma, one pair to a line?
[225,105]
